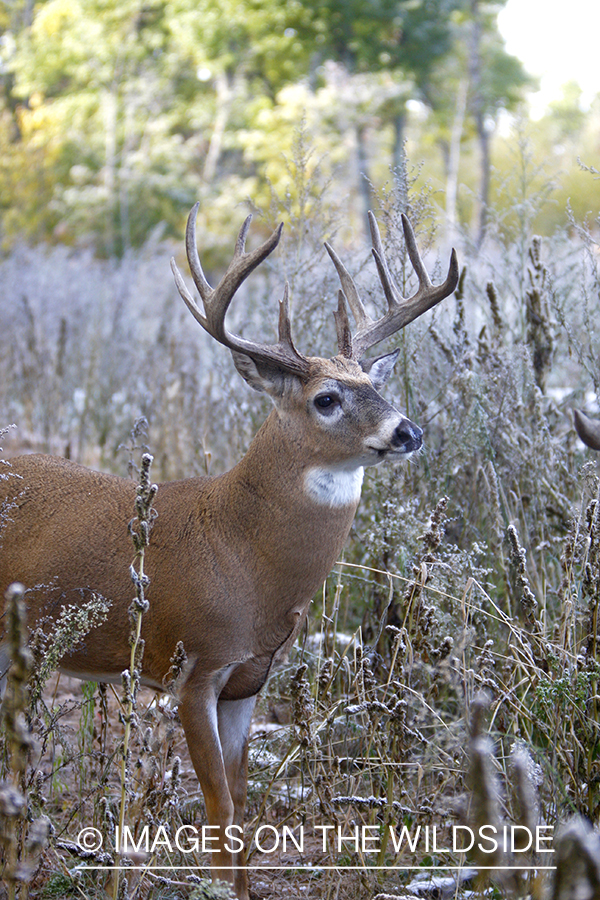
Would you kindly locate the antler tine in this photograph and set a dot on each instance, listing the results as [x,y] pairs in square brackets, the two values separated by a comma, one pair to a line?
[402,310]
[216,301]
[285,322]
[204,288]
[240,244]
[342,327]
[350,290]
[413,253]
[186,296]
[391,294]
[191,249]
[433,293]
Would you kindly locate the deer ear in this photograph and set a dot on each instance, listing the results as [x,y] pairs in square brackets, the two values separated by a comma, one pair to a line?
[380,369]
[260,376]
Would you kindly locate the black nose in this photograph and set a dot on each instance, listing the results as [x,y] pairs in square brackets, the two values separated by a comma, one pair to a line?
[407,436]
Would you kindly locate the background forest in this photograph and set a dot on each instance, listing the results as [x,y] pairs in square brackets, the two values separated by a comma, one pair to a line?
[116,117]
[450,670]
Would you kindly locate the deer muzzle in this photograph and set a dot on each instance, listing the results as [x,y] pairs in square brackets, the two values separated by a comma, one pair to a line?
[406,438]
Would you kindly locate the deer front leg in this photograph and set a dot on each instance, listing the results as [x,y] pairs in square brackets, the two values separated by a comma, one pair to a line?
[234,718]
[198,714]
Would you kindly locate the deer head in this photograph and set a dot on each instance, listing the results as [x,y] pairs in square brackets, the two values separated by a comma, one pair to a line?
[331,406]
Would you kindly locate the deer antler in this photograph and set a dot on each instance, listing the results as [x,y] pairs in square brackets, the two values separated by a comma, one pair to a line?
[216,300]
[401,310]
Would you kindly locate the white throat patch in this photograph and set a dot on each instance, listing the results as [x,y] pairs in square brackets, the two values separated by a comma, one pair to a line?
[334,487]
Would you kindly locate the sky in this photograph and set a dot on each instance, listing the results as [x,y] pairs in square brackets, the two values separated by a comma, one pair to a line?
[557,41]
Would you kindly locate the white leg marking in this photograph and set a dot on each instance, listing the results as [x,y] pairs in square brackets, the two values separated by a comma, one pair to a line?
[234,725]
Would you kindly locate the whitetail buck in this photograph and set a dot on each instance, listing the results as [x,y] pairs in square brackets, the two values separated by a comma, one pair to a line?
[587,429]
[234,560]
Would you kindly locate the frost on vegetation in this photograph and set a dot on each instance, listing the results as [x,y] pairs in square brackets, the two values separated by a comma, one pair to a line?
[53,639]
[23,833]
[5,472]
[469,567]
[209,890]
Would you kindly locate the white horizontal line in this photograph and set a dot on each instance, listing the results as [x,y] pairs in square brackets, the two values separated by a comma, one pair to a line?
[317,866]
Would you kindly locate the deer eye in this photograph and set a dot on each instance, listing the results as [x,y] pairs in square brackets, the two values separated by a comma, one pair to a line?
[325,401]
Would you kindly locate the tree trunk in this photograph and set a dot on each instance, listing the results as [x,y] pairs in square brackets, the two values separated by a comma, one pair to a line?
[453,162]
[110,165]
[225,94]
[399,158]
[479,116]
[364,182]
[484,184]
[125,175]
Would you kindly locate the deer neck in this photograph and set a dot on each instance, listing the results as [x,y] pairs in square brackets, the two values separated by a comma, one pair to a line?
[281,467]
[297,528]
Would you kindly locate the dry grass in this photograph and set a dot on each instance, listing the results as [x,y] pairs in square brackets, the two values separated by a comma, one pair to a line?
[450,672]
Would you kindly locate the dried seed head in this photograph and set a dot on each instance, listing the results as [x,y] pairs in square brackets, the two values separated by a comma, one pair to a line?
[39,832]
[526,597]
[12,801]
[528,777]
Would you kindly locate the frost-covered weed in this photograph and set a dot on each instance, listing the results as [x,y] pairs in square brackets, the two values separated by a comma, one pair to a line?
[473,570]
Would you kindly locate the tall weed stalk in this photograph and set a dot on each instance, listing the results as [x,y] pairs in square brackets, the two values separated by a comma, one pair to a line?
[139,529]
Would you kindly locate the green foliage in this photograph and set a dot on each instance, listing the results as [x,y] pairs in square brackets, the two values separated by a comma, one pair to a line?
[99,84]
[385,35]
[266,40]
[115,117]
[59,886]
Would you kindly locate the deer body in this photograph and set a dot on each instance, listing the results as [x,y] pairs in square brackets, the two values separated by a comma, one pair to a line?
[234,560]
[203,551]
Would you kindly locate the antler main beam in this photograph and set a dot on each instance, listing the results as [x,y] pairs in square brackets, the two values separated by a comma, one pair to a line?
[216,301]
[401,310]
[283,354]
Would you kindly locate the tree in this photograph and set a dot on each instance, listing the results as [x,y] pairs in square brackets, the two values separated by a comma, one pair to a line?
[92,81]
[403,38]
[467,92]
[128,104]
[497,80]
[116,116]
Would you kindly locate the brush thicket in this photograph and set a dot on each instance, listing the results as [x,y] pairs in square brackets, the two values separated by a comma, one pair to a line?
[472,571]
